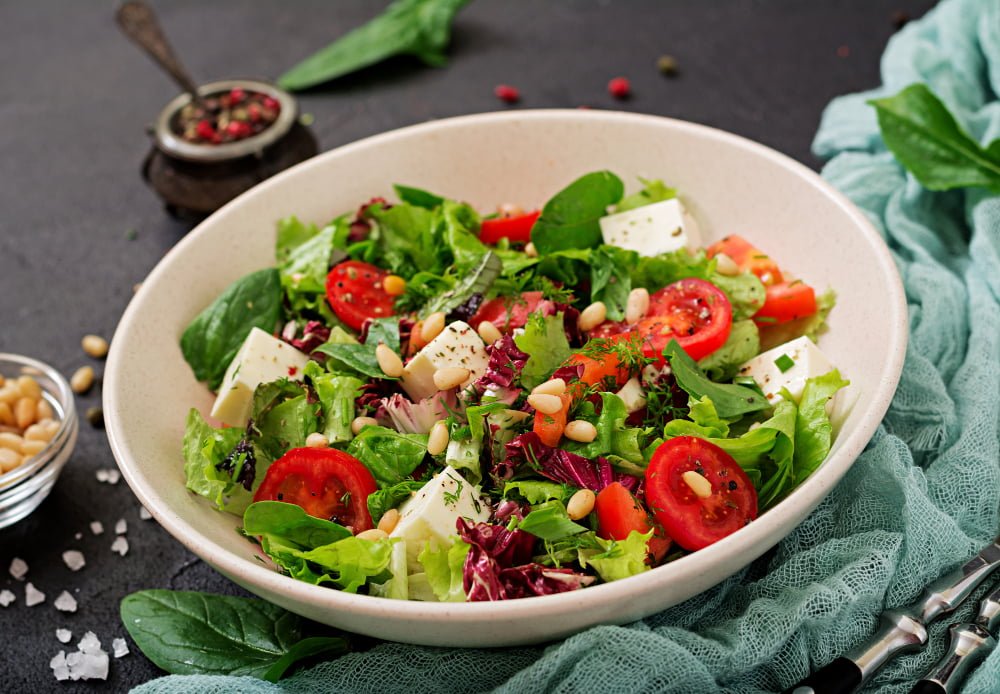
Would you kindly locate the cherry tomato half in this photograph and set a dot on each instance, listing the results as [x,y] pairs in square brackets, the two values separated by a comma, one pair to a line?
[327,483]
[517,229]
[509,313]
[693,521]
[692,311]
[785,302]
[619,513]
[354,290]
[748,257]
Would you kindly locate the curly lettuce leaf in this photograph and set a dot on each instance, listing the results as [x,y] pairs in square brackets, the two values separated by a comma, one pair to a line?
[204,449]
[614,437]
[544,341]
[444,569]
[389,455]
[614,559]
[653,190]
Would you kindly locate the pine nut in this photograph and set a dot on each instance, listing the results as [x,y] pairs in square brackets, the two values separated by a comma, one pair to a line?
[530,250]
[701,487]
[6,415]
[438,439]
[637,305]
[725,265]
[29,388]
[593,315]
[432,327]
[45,410]
[389,521]
[94,346]
[373,535]
[394,285]
[25,412]
[317,440]
[82,380]
[11,441]
[360,423]
[450,377]
[553,386]
[489,332]
[510,209]
[388,361]
[545,403]
[581,504]
[580,430]
[37,432]
[32,448]
[9,460]
[51,427]
[10,393]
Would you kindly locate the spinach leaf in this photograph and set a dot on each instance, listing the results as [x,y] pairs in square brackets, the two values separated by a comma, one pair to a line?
[292,524]
[570,218]
[730,400]
[926,139]
[205,448]
[188,633]
[652,191]
[388,454]
[420,28]
[610,281]
[550,521]
[544,340]
[742,345]
[360,358]
[391,497]
[214,337]
[417,196]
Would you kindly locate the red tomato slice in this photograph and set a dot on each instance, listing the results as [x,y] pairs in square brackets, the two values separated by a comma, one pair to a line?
[327,483]
[517,229]
[692,311]
[692,521]
[748,257]
[786,302]
[619,513]
[607,329]
[354,290]
[508,313]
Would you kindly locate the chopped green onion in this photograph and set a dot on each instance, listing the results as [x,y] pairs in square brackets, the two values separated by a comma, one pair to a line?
[784,363]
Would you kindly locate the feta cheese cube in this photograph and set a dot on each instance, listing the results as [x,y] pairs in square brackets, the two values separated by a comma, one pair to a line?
[632,395]
[457,345]
[787,366]
[652,229]
[432,513]
[261,359]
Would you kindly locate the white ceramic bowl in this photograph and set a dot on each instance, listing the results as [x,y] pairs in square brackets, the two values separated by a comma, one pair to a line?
[730,184]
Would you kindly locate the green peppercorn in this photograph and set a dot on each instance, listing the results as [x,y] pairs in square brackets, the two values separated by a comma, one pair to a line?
[95,415]
[667,65]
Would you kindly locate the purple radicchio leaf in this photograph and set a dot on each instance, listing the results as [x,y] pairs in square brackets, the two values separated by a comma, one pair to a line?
[561,466]
[313,335]
[505,365]
[571,323]
[418,418]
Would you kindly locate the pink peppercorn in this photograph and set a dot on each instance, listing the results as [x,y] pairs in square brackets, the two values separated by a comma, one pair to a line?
[507,93]
[237,95]
[619,88]
[205,130]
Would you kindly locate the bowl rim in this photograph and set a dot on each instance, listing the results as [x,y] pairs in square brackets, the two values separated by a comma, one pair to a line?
[808,494]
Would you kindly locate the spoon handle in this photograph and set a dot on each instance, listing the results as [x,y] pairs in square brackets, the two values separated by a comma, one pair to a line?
[138,21]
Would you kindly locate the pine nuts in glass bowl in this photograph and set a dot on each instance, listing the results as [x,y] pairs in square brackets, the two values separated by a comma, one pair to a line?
[33,453]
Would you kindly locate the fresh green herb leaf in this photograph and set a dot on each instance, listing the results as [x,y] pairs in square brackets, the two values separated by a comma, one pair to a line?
[730,400]
[420,28]
[478,281]
[570,218]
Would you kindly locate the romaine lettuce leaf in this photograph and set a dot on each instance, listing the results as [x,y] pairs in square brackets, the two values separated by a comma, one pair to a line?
[388,454]
[350,562]
[337,395]
[443,566]
[397,587]
[813,432]
[538,491]
[204,449]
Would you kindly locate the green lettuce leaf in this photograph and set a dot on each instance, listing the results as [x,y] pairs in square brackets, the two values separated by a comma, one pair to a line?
[742,345]
[357,358]
[406,238]
[282,418]
[544,340]
[417,196]
[746,293]
[614,438]
[390,455]
[550,521]
[443,566]
[653,190]
[397,587]
[337,395]
[656,272]
[811,326]
[618,559]
[730,400]
[391,497]
[349,563]
[610,281]
[813,432]
[204,449]
[460,232]
[538,491]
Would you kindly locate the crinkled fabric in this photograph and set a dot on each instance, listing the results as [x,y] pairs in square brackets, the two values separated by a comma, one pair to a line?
[922,498]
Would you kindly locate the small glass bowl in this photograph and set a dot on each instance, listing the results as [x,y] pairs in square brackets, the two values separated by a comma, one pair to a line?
[26,486]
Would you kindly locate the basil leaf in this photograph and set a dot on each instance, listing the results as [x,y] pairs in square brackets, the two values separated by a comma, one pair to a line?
[730,400]
[188,633]
[214,337]
[417,196]
[421,28]
[929,142]
[570,218]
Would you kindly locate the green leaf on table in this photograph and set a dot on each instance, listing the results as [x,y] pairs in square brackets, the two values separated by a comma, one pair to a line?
[730,400]
[187,633]
[420,28]
[214,337]
[927,140]
[570,218]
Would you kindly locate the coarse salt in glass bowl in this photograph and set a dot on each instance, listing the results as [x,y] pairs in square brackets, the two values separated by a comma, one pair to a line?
[23,488]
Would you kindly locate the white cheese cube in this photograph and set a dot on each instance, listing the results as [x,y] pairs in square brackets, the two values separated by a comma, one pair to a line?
[432,513]
[457,345]
[652,229]
[632,395]
[807,361]
[261,359]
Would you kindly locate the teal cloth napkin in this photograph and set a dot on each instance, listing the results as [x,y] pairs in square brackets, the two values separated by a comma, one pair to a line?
[922,498]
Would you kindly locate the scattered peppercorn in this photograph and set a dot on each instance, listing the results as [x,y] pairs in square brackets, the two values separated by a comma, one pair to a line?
[619,88]
[228,117]
[507,93]
[843,51]
[900,19]
[667,65]
[95,416]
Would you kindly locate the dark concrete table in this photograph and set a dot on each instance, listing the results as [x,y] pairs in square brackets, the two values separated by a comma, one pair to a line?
[78,228]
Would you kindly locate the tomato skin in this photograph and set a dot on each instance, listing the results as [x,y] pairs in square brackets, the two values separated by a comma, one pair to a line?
[692,311]
[786,302]
[748,257]
[691,521]
[354,291]
[507,314]
[619,513]
[517,229]
[319,480]
[608,329]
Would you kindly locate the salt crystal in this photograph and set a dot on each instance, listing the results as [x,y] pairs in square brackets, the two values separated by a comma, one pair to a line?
[65,602]
[64,636]
[121,527]
[102,475]
[97,527]
[74,559]
[87,663]
[144,513]
[120,647]
[120,545]
[78,536]
[59,666]
[90,644]
[32,596]
[6,598]
[18,568]
[114,476]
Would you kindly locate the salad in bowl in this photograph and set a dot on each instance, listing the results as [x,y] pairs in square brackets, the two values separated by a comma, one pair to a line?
[428,402]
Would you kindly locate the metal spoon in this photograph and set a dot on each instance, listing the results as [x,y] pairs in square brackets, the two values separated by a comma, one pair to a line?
[138,22]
